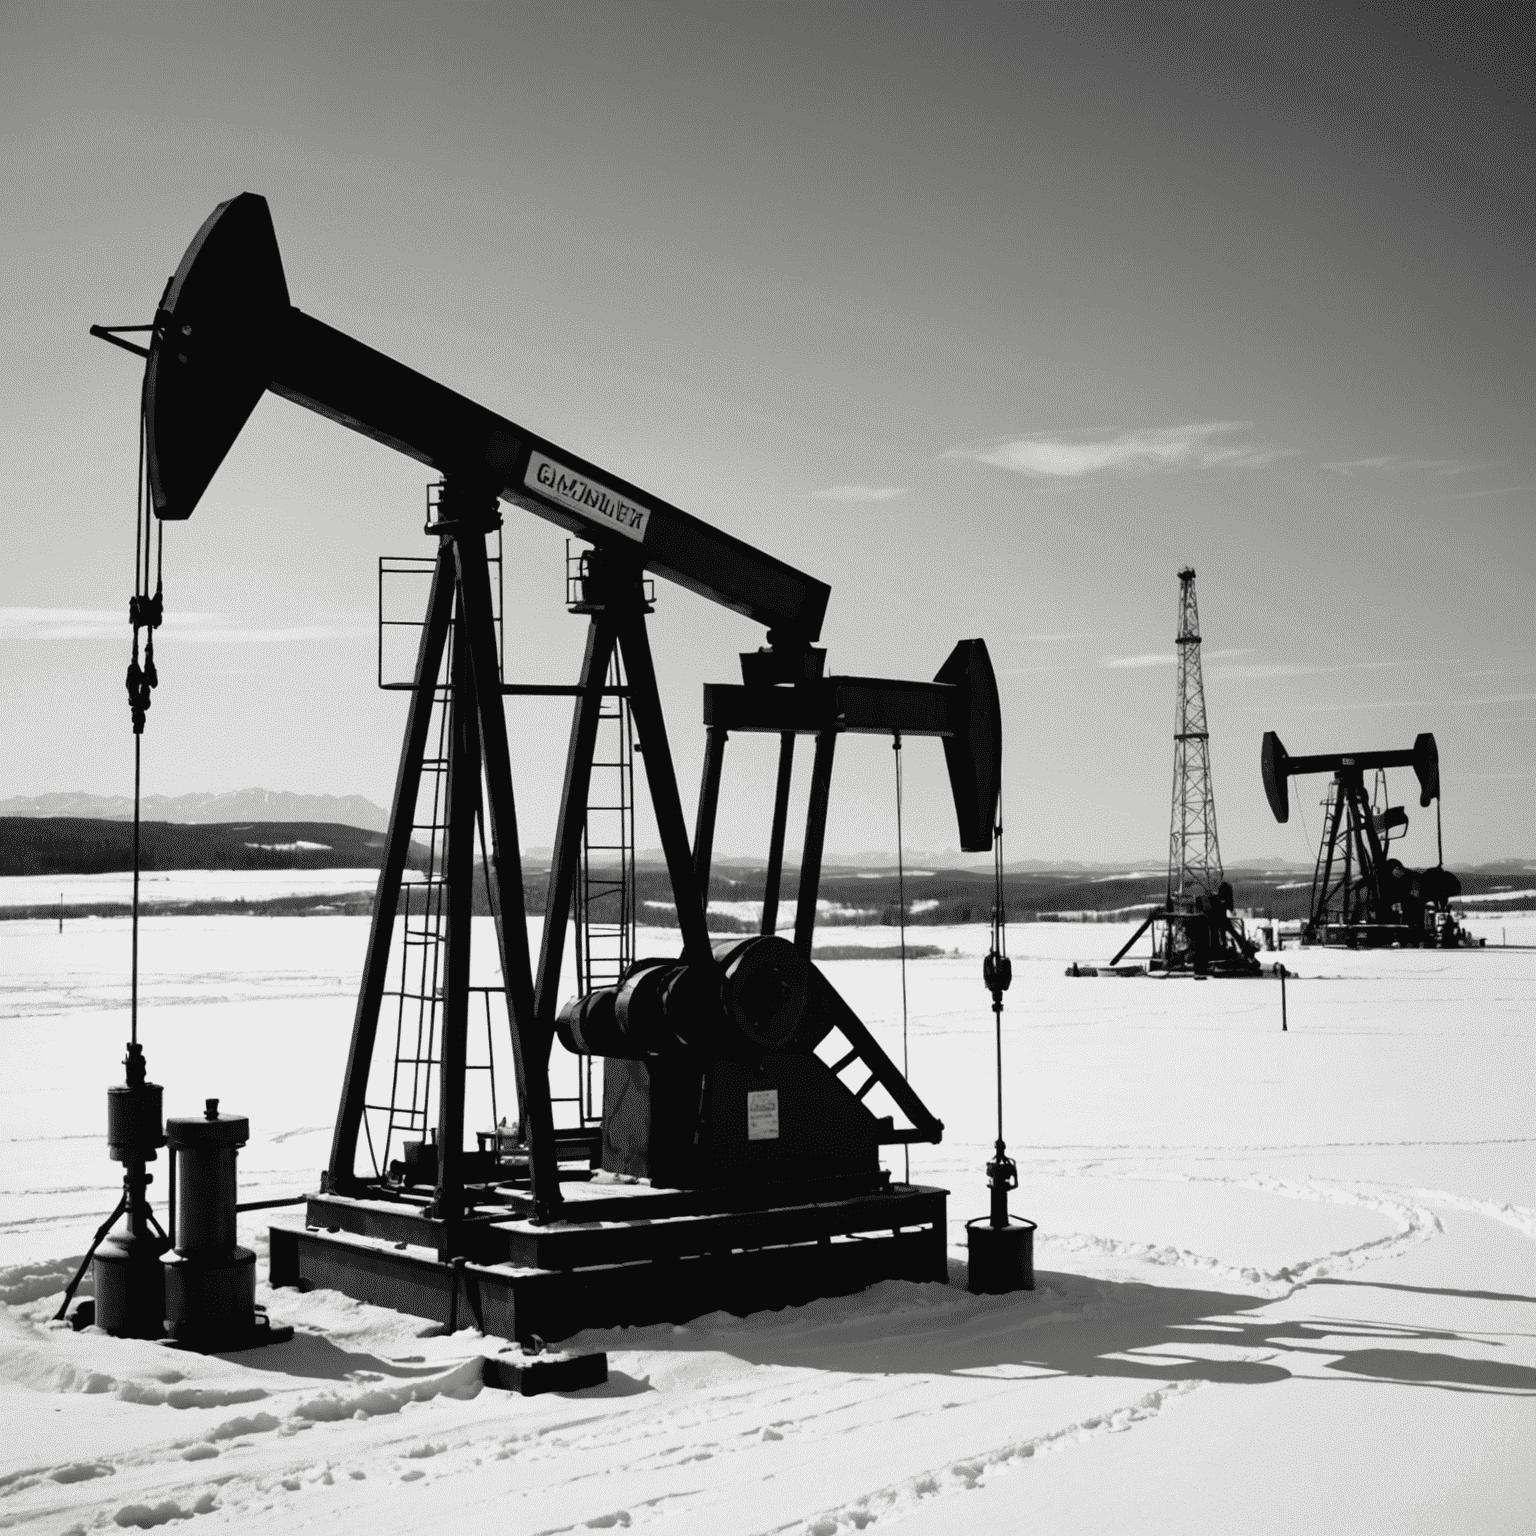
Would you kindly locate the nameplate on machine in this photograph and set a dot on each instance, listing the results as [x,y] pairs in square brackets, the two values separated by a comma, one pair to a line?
[586,497]
[763,1115]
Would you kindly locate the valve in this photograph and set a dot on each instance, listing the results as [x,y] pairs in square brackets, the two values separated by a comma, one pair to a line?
[997,973]
[1002,1176]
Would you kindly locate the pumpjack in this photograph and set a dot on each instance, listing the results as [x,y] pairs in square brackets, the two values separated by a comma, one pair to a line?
[738,1162]
[1361,896]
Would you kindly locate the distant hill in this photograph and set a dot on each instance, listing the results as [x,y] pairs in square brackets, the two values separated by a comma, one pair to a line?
[203,808]
[1065,893]
[64,845]
[73,845]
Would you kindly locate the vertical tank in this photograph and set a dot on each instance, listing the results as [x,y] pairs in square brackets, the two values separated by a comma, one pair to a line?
[210,1281]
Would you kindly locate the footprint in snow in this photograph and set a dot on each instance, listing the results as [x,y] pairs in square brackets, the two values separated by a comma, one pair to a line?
[81,1472]
[247,1424]
[146,1516]
[187,1397]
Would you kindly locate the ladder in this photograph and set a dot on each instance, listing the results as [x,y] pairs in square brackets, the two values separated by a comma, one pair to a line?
[604,900]
[407,1112]
[1330,897]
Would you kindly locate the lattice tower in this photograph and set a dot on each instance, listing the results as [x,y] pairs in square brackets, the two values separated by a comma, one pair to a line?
[1194,855]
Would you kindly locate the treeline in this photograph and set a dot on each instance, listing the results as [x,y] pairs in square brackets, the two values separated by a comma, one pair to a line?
[78,845]
[962,896]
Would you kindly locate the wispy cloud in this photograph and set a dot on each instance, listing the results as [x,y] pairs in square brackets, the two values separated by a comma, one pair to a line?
[1167,658]
[1140,451]
[1498,698]
[48,624]
[1398,464]
[1497,490]
[860,493]
[63,623]
[1248,671]
[1254,670]
[1148,659]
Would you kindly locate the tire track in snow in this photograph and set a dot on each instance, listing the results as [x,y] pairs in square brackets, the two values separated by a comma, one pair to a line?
[161,1488]
[1521,1217]
[1416,1224]
[896,1500]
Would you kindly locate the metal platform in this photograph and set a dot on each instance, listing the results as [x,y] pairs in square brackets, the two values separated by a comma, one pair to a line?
[630,1254]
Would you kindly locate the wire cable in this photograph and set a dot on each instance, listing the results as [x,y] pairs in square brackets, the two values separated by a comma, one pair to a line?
[901,908]
[138,701]
[999,949]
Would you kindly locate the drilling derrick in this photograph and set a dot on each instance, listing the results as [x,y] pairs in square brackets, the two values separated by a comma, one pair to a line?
[1194,930]
[1194,855]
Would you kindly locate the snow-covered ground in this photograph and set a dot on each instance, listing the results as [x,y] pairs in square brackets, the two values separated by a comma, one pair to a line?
[1286,1280]
[177,885]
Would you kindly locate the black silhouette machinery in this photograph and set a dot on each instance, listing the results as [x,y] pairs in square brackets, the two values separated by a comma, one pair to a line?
[737,1160]
[1362,897]
[1194,932]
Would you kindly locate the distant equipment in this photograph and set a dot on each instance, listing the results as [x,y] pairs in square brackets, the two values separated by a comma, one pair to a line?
[1194,931]
[1361,896]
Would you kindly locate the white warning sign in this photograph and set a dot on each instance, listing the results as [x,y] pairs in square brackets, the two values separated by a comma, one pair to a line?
[763,1115]
[597,503]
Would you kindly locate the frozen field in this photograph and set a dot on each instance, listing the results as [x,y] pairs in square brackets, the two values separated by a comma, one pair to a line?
[1286,1281]
[184,885]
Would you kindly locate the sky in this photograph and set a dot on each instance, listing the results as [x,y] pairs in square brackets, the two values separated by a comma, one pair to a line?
[992,317]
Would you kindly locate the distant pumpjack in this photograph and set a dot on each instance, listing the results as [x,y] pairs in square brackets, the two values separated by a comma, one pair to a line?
[1361,897]
[1194,930]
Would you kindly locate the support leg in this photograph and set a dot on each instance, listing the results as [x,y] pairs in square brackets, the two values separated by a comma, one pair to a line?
[1373,856]
[776,836]
[645,703]
[1322,880]
[530,1044]
[463,807]
[709,803]
[815,837]
[573,815]
[354,1092]
[1124,948]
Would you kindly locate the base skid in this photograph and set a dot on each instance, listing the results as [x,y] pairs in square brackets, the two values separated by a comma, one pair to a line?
[570,1275]
[536,1374]
[230,1341]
